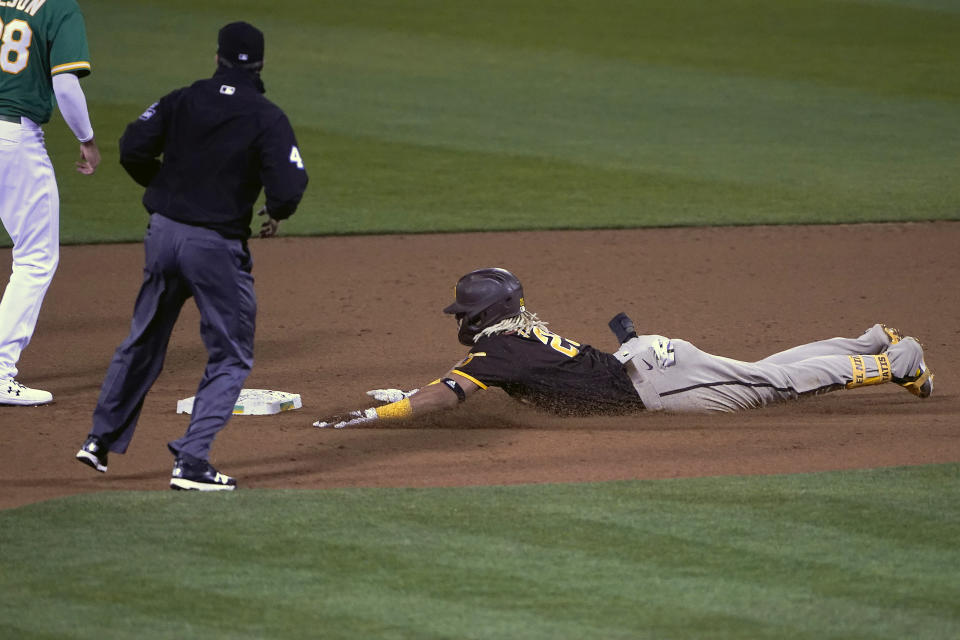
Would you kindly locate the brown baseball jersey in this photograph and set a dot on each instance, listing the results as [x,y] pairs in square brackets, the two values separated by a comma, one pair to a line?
[552,373]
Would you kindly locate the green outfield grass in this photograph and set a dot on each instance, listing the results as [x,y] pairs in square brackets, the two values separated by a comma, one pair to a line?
[442,115]
[864,554]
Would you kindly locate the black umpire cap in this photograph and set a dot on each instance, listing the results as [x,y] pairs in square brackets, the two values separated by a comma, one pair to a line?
[240,44]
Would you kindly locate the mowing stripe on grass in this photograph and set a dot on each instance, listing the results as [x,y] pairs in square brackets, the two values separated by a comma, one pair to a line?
[848,554]
[506,115]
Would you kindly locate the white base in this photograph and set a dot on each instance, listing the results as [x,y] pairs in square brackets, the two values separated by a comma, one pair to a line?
[254,402]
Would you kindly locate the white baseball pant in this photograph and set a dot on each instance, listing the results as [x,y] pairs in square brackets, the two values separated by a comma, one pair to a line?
[676,376]
[30,211]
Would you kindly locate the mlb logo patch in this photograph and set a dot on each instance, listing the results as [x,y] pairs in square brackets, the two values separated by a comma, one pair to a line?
[227,90]
[243,57]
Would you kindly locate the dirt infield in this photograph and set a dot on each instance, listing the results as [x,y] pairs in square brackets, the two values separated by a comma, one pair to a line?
[339,316]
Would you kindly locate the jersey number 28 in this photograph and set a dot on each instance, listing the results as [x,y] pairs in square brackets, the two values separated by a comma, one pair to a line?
[15,37]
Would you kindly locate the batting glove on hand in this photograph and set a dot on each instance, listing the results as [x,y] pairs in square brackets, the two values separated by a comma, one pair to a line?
[351,419]
[390,395]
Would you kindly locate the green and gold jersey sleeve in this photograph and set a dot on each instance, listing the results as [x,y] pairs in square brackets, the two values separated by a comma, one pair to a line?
[38,39]
[70,52]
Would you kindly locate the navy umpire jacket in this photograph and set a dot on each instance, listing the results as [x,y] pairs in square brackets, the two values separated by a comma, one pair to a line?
[221,141]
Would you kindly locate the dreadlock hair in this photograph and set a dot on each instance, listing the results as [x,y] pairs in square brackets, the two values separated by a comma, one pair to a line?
[523,322]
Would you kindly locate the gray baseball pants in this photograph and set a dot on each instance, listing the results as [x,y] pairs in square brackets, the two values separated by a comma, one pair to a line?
[183,261]
[675,376]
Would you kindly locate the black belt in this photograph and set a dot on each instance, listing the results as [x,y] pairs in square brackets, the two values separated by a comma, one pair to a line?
[15,119]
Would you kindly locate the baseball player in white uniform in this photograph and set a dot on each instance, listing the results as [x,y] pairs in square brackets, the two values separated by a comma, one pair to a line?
[43,53]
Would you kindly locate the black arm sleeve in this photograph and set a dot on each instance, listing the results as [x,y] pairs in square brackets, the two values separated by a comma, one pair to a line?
[282,172]
[142,143]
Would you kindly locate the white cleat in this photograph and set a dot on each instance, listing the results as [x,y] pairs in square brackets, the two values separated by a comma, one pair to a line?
[12,392]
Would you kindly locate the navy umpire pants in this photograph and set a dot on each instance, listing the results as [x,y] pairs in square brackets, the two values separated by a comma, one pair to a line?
[183,261]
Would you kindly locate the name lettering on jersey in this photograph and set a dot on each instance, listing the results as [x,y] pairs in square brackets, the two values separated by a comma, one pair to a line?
[27,6]
[149,113]
[227,90]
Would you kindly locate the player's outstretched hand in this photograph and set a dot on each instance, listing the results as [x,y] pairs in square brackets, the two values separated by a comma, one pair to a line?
[390,395]
[89,157]
[269,227]
[351,419]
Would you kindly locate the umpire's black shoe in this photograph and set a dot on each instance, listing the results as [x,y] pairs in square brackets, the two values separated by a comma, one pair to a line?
[193,474]
[93,453]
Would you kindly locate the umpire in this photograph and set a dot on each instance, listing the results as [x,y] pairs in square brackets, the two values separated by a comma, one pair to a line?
[220,141]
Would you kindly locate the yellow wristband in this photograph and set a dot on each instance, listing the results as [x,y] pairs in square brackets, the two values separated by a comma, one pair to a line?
[401,409]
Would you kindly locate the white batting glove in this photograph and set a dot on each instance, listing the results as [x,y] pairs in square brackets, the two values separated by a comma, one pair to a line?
[390,395]
[351,419]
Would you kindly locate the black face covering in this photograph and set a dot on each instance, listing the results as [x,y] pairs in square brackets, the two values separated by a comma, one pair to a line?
[469,328]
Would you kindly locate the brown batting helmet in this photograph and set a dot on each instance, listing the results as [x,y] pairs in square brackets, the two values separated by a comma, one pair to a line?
[483,298]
